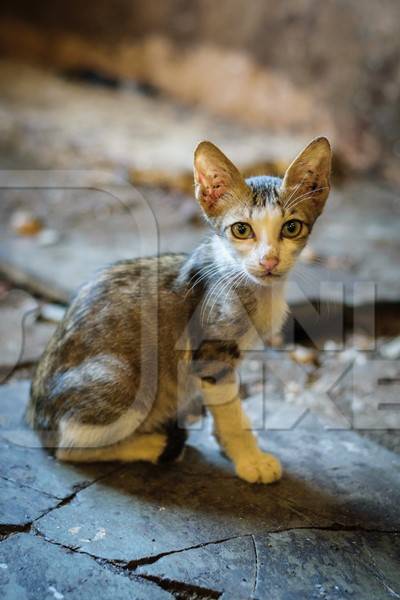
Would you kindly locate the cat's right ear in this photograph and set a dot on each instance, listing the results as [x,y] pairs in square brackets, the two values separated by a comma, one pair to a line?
[308,177]
[218,183]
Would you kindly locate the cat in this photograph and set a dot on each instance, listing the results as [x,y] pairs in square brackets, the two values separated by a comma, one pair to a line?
[143,341]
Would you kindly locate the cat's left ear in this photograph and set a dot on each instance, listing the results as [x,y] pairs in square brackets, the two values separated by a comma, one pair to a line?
[218,183]
[308,177]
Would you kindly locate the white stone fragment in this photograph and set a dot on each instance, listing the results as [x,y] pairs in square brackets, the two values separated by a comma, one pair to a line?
[74,530]
[304,356]
[391,349]
[100,534]
[56,594]
[23,222]
[52,312]
[48,237]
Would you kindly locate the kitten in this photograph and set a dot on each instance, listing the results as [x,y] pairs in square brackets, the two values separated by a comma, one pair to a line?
[147,337]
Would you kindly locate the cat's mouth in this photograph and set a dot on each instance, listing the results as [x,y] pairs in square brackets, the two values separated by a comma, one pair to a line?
[264,277]
[269,275]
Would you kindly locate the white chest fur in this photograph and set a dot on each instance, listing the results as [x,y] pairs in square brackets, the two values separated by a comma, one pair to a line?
[267,319]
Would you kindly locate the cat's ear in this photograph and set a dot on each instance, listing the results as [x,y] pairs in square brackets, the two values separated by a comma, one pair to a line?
[218,183]
[307,179]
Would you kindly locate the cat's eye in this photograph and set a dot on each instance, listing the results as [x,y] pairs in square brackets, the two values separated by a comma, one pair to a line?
[242,231]
[292,229]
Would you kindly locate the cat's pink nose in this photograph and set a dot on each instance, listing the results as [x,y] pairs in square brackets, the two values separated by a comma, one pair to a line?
[269,264]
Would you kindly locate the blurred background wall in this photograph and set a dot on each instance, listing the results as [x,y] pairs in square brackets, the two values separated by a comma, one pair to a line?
[307,67]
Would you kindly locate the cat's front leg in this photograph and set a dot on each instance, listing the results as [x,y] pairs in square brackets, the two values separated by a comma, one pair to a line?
[234,433]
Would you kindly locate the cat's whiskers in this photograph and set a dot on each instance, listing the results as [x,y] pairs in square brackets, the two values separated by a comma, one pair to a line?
[210,293]
[213,288]
[293,193]
[301,198]
[305,276]
[203,271]
[226,289]
[240,280]
[311,279]
[298,199]
[201,275]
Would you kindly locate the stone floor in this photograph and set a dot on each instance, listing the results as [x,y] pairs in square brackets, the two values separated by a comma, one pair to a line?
[330,528]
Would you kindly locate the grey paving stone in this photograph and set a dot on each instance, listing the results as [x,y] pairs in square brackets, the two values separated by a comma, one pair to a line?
[19,505]
[291,565]
[22,459]
[332,478]
[32,569]
[227,567]
[143,512]
[333,565]
[340,476]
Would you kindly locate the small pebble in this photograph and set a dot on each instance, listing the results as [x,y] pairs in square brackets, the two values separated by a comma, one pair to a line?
[352,355]
[48,237]
[304,356]
[330,346]
[56,594]
[74,530]
[361,341]
[100,534]
[52,312]
[391,349]
[24,222]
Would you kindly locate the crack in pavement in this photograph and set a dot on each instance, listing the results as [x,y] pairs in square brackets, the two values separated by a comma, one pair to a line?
[378,574]
[30,487]
[148,560]
[253,539]
[132,565]
[293,507]
[10,528]
[174,586]
[127,568]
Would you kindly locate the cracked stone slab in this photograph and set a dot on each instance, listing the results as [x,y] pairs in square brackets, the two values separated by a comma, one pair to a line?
[228,567]
[144,512]
[331,478]
[294,564]
[25,463]
[20,505]
[328,564]
[31,569]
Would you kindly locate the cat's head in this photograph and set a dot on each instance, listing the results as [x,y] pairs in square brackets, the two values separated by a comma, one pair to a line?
[263,222]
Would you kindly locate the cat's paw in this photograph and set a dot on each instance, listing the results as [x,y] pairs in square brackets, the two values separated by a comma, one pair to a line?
[259,467]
